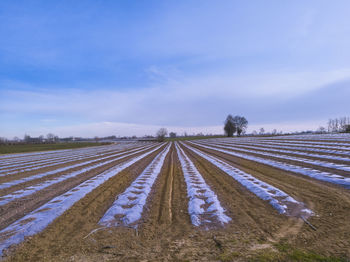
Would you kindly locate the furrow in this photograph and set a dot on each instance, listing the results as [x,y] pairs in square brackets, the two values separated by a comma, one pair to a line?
[35,188]
[316,174]
[62,169]
[128,206]
[55,161]
[317,163]
[41,217]
[56,157]
[291,147]
[35,167]
[13,158]
[204,207]
[281,201]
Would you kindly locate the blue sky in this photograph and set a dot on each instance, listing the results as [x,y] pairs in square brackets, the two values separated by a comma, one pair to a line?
[87,68]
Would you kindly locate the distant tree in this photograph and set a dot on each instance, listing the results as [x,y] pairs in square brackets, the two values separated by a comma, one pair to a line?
[331,126]
[26,138]
[3,140]
[274,132]
[321,130]
[344,123]
[262,131]
[254,133]
[230,126]
[50,137]
[338,124]
[172,134]
[347,128]
[241,124]
[161,134]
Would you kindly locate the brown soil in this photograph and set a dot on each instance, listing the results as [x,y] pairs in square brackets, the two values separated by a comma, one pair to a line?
[267,149]
[301,146]
[165,232]
[325,199]
[21,174]
[18,208]
[292,162]
[39,180]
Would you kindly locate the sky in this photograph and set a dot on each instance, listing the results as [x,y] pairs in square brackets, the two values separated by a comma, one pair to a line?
[98,68]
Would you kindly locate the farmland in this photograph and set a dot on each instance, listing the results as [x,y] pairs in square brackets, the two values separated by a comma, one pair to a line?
[218,199]
[20,148]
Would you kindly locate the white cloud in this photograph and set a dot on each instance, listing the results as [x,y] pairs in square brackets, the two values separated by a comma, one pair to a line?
[106,103]
[195,104]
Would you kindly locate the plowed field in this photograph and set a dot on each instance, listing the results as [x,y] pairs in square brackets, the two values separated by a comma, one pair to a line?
[226,199]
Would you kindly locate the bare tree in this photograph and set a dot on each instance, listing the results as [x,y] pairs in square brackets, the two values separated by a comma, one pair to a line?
[347,128]
[335,125]
[338,124]
[50,137]
[230,126]
[3,140]
[329,124]
[344,122]
[241,124]
[262,131]
[161,134]
[321,130]
[26,138]
[172,134]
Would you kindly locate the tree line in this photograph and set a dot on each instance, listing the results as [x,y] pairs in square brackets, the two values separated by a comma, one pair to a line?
[52,138]
[27,139]
[341,124]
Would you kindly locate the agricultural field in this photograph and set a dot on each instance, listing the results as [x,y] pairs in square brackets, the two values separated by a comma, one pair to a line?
[283,198]
[21,148]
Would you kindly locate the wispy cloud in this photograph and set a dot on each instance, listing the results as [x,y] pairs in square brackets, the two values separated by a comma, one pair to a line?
[181,103]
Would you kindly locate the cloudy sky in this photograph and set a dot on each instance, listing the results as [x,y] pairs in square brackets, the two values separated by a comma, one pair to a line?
[87,68]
